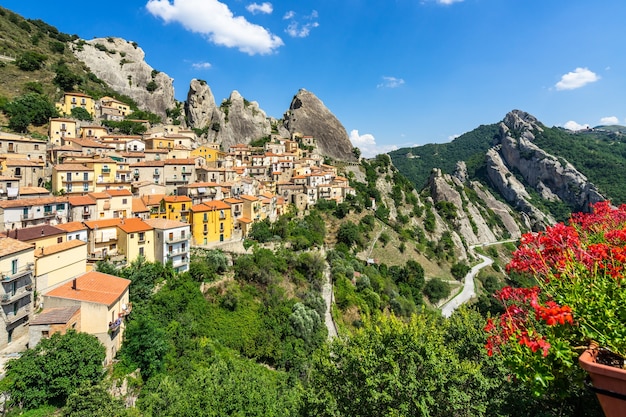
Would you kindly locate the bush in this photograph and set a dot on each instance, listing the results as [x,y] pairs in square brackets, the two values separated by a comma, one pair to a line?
[57,47]
[152,86]
[30,61]
[436,289]
[81,114]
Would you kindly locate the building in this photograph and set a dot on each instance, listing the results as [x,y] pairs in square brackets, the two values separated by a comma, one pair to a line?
[39,236]
[172,242]
[74,99]
[30,172]
[72,178]
[103,302]
[58,263]
[74,231]
[102,239]
[16,275]
[60,128]
[211,222]
[53,320]
[174,207]
[135,238]
[33,211]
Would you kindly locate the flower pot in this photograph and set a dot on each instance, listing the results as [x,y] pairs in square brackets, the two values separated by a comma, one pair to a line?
[609,384]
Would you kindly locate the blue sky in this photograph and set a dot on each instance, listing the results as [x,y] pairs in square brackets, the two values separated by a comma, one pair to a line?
[396,73]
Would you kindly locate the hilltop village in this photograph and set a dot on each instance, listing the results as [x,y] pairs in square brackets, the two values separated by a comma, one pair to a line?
[87,195]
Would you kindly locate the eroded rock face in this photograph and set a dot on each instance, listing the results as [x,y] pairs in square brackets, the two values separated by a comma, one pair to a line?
[121,64]
[200,107]
[308,116]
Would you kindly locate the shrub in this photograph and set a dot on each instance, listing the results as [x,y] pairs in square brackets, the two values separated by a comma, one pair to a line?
[30,61]
[436,289]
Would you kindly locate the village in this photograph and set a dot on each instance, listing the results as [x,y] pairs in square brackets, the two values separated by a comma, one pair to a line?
[86,195]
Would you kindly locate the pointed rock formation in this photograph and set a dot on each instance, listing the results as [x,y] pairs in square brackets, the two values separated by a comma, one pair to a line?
[307,115]
[121,65]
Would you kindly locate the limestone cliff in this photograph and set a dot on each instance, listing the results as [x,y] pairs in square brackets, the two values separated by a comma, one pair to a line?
[121,64]
[307,115]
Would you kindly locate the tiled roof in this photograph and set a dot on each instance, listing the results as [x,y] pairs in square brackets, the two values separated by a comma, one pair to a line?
[244,220]
[33,190]
[119,193]
[19,162]
[176,199]
[71,167]
[138,206]
[93,287]
[232,201]
[134,225]
[72,226]
[149,164]
[29,233]
[9,246]
[248,197]
[152,199]
[180,161]
[60,247]
[165,223]
[93,224]
[81,200]
[99,195]
[58,315]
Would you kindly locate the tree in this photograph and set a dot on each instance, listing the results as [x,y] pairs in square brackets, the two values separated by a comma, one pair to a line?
[65,78]
[145,344]
[436,289]
[459,270]
[54,369]
[349,234]
[93,401]
[33,108]
[81,114]
[30,61]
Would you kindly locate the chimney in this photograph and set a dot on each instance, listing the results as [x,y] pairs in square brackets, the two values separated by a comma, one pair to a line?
[74,285]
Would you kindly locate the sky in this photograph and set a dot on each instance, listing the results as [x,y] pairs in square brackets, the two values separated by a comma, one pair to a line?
[396,73]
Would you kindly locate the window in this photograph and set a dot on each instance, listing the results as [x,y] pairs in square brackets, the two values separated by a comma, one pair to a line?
[60,207]
[142,236]
[171,237]
[85,186]
[170,249]
[18,171]
[206,217]
[141,251]
[182,234]
[45,334]
[47,209]
[14,266]
[59,239]
[206,229]
[124,201]
[36,147]
[85,176]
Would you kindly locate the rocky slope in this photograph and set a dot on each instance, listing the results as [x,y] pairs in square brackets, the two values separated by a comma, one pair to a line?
[121,64]
[308,116]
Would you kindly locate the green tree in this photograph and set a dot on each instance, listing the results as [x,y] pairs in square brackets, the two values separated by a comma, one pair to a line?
[459,270]
[145,344]
[93,401]
[436,289]
[30,61]
[33,108]
[55,368]
[65,78]
[349,234]
[81,114]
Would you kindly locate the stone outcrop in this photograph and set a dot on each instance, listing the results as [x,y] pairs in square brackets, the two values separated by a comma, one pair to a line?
[308,116]
[121,64]
[554,178]
[235,120]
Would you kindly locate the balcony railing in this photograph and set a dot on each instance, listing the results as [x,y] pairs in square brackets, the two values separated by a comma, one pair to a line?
[173,180]
[10,298]
[33,216]
[114,326]
[126,311]
[106,170]
[10,276]
[177,252]
[176,239]
[12,317]
[104,239]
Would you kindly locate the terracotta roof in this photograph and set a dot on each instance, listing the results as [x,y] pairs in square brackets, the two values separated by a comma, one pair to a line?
[248,197]
[118,193]
[60,119]
[134,225]
[30,233]
[77,94]
[176,199]
[165,223]
[149,164]
[152,199]
[81,200]
[9,246]
[138,206]
[18,162]
[244,220]
[33,190]
[72,167]
[210,206]
[232,200]
[99,195]
[93,287]
[104,223]
[72,226]
[58,315]
[60,247]
[87,143]
[202,184]
[181,161]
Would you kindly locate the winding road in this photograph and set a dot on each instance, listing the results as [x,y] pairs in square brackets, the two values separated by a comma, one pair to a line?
[468,288]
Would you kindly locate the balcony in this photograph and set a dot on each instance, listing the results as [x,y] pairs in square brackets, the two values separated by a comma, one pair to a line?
[6,299]
[177,252]
[12,317]
[114,326]
[33,216]
[175,180]
[106,170]
[11,276]
[176,239]
[126,311]
[105,239]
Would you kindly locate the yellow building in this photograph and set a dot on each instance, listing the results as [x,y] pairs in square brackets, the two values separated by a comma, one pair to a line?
[72,178]
[56,264]
[136,238]
[71,100]
[159,143]
[103,302]
[211,222]
[114,106]
[251,207]
[59,129]
[210,155]
[174,207]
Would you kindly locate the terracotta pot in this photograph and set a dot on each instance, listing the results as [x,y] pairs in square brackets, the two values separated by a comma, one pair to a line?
[609,384]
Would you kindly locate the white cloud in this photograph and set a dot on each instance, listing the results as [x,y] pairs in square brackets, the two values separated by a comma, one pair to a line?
[574,126]
[576,79]
[215,21]
[390,82]
[609,120]
[201,65]
[255,8]
[367,144]
[302,28]
[448,2]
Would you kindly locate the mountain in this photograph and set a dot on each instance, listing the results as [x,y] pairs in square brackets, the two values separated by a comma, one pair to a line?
[544,173]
